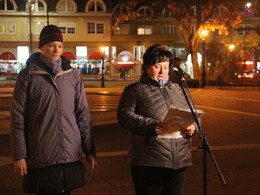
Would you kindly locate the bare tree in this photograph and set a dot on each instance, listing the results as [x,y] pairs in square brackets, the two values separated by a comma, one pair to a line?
[204,13]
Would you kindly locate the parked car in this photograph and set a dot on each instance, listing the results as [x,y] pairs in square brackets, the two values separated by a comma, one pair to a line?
[249,74]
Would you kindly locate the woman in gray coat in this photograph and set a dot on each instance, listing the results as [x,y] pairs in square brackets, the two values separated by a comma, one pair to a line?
[157,161]
[50,121]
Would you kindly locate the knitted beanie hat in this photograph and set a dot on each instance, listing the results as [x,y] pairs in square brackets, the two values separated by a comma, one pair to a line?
[50,33]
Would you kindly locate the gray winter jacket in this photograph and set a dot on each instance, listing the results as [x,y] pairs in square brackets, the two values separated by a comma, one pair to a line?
[50,120]
[142,105]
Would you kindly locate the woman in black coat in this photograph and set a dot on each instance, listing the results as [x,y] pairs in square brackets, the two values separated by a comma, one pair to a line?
[158,155]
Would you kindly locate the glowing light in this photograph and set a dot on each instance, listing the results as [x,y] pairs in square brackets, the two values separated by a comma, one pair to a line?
[203,34]
[248,5]
[124,62]
[231,47]
[125,59]
[102,49]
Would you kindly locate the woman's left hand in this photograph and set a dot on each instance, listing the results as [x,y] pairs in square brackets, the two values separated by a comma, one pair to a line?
[92,160]
[188,131]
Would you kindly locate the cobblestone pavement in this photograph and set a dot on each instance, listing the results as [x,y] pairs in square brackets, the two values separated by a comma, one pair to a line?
[231,124]
[239,165]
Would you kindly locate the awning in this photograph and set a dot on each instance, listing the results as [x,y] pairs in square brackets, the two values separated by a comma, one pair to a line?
[7,56]
[95,56]
[69,55]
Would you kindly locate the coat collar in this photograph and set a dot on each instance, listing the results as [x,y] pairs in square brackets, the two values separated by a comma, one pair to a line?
[35,58]
[145,78]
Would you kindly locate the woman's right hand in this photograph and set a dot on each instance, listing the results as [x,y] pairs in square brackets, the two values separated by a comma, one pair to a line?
[20,167]
[161,127]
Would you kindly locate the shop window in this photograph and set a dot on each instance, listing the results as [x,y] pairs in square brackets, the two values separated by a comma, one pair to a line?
[96,6]
[37,26]
[95,28]
[7,27]
[67,27]
[66,6]
[144,30]
[8,5]
[37,6]
[138,52]
[169,30]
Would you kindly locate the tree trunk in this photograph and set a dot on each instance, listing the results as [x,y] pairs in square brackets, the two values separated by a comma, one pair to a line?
[194,57]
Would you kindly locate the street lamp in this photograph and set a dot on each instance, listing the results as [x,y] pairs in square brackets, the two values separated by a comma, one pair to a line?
[203,35]
[231,47]
[102,68]
[247,6]
[47,10]
[30,25]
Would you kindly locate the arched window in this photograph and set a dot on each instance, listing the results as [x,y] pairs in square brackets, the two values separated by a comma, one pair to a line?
[145,12]
[66,6]
[118,10]
[37,5]
[194,10]
[96,6]
[220,11]
[166,13]
[8,5]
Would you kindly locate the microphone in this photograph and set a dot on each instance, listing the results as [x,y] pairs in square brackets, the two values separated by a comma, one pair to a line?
[176,71]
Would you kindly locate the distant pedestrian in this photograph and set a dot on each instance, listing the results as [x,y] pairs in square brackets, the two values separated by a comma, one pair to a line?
[177,64]
[157,161]
[50,121]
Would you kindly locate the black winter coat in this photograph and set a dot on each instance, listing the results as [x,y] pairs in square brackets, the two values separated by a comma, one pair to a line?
[142,105]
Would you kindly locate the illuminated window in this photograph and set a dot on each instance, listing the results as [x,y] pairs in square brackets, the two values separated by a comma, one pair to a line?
[8,5]
[96,6]
[67,27]
[66,6]
[7,27]
[95,28]
[37,6]
[144,30]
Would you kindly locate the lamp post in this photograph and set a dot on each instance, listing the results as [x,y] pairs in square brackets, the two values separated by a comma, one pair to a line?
[203,35]
[30,25]
[102,68]
[247,6]
[47,10]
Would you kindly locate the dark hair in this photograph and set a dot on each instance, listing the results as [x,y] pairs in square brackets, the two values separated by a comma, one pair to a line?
[155,54]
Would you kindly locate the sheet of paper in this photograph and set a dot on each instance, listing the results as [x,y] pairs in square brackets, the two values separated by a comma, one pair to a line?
[176,119]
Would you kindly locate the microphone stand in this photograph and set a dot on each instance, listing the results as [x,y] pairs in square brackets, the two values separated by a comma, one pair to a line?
[205,145]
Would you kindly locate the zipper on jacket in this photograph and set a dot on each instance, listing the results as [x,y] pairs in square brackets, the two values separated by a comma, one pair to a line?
[177,154]
[166,96]
[62,179]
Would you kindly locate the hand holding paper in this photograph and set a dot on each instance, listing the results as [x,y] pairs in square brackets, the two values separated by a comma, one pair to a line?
[176,120]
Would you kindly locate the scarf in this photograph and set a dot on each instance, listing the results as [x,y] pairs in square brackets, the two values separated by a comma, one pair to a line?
[55,65]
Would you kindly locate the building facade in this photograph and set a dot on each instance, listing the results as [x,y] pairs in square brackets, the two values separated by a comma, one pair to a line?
[91,42]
